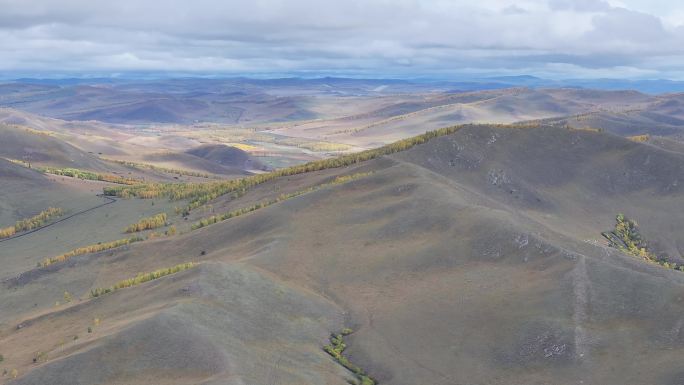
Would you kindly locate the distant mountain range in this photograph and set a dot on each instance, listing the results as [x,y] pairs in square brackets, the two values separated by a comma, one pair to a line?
[651,86]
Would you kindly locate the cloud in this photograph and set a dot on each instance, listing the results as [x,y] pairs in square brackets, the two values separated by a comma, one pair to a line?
[621,24]
[371,37]
[580,5]
[513,10]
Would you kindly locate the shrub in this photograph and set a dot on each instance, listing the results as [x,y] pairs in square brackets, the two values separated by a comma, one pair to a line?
[171,231]
[626,237]
[40,357]
[336,349]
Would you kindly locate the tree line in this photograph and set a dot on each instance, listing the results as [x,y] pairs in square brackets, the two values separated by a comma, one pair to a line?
[88,175]
[148,223]
[142,278]
[201,193]
[89,249]
[145,166]
[236,213]
[31,223]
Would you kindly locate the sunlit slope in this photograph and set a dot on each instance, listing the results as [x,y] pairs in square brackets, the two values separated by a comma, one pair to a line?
[43,147]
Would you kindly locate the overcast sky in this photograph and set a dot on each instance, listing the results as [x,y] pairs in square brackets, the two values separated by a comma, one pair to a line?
[380,38]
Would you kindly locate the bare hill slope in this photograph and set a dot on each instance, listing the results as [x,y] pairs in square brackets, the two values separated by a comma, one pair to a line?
[474,258]
[226,156]
[44,148]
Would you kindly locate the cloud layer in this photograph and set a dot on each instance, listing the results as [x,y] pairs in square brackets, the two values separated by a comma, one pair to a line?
[409,38]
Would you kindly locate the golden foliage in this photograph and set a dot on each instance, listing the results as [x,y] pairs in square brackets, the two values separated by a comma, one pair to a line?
[88,249]
[87,175]
[145,166]
[170,231]
[639,138]
[152,222]
[7,232]
[31,223]
[243,146]
[318,146]
[201,193]
[236,213]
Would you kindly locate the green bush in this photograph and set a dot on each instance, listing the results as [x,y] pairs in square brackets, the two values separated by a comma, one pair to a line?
[336,349]
[626,237]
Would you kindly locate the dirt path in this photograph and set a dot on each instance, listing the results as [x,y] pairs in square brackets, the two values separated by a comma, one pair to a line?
[110,200]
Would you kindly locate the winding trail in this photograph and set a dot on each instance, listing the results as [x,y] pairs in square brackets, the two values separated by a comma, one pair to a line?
[109,199]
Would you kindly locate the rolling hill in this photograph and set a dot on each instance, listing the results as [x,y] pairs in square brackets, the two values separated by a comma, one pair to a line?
[44,148]
[474,257]
[16,181]
[226,156]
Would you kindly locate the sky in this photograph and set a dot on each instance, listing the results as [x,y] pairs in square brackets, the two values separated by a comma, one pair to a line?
[557,39]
